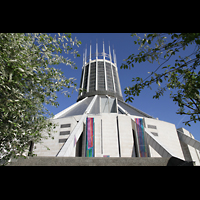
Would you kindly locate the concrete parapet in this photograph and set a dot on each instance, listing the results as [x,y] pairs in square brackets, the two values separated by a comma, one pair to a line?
[99,161]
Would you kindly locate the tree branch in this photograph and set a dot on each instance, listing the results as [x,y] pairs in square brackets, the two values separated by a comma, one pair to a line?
[189,107]
[158,67]
[195,104]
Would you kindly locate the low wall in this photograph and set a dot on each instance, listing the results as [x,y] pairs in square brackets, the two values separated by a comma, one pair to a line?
[99,161]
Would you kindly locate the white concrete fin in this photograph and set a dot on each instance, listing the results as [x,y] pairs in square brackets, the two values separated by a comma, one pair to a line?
[69,145]
[110,53]
[96,84]
[68,109]
[188,140]
[86,54]
[151,140]
[158,146]
[114,57]
[83,59]
[98,55]
[96,49]
[90,50]
[103,51]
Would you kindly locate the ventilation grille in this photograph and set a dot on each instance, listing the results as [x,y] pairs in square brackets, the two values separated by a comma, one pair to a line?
[101,76]
[151,126]
[65,125]
[154,133]
[116,79]
[85,79]
[109,77]
[64,132]
[62,140]
[92,77]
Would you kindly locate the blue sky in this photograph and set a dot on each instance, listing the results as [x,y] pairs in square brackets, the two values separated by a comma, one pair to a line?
[164,108]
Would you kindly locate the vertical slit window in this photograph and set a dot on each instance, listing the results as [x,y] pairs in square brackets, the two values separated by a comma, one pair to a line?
[115,79]
[92,76]
[85,79]
[101,76]
[109,77]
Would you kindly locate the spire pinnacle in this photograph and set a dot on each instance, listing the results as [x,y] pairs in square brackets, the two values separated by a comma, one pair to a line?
[90,50]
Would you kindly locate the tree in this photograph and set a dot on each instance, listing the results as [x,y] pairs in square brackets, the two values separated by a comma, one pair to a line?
[183,77]
[28,81]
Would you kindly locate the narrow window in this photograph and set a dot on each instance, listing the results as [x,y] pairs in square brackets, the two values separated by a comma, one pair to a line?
[135,150]
[151,126]
[154,133]
[65,125]
[118,138]
[62,140]
[64,132]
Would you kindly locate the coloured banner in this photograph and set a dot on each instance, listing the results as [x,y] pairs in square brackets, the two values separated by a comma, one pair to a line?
[89,137]
[141,140]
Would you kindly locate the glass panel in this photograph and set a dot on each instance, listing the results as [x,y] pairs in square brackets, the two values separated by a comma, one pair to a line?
[131,110]
[108,105]
[104,105]
[141,137]
[89,137]
[92,76]
[96,107]
[101,76]
[109,77]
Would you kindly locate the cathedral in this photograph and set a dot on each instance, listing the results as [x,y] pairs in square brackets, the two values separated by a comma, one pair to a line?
[101,124]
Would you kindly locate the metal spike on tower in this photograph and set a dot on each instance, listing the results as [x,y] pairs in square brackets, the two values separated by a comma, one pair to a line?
[100,74]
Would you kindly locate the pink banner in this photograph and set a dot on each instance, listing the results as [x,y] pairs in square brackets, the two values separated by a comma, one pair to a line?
[90,132]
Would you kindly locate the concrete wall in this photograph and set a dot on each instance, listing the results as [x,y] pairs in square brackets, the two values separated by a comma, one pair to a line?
[109,135]
[167,135]
[78,161]
[114,136]
[53,144]
[190,153]
[125,136]
[97,132]
[107,140]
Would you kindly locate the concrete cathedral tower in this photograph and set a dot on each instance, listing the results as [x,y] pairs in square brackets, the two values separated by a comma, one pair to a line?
[101,124]
[100,75]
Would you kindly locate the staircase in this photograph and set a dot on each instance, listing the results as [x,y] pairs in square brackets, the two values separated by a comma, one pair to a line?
[99,161]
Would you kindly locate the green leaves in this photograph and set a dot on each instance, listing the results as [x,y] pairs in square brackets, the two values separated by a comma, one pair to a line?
[27,83]
[180,77]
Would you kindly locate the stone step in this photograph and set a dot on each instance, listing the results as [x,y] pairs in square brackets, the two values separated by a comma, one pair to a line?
[98,161]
